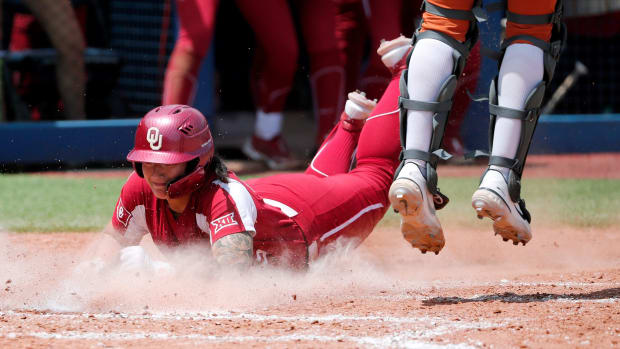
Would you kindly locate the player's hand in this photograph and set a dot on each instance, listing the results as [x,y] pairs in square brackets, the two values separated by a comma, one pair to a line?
[90,267]
[135,259]
[162,268]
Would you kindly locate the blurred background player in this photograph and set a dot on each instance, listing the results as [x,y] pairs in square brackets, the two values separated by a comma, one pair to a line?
[367,23]
[196,27]
[273,70]
[441,46]
[58,19]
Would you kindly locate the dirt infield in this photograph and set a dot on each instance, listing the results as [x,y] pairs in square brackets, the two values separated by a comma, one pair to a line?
[562,290]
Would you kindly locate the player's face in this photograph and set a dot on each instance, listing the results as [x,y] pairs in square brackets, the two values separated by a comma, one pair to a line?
[159,175]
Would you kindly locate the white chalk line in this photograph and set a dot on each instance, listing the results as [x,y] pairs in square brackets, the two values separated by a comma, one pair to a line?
[408,339]
[247,316]
[400,340]
[432,328]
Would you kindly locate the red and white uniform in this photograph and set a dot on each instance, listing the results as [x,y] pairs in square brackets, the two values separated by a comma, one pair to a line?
[214,211]
[293,217]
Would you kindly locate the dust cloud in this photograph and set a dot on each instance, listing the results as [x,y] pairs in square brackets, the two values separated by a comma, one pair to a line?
[56,271]
[63,281]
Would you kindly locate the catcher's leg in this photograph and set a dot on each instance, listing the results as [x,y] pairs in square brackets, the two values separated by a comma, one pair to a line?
[440,49]
[527,62]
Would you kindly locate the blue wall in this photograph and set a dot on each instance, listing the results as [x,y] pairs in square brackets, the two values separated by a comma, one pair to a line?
[73,142]
[590,133]
[77,142]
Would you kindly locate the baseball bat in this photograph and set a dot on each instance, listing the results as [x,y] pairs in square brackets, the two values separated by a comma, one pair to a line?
[579,70]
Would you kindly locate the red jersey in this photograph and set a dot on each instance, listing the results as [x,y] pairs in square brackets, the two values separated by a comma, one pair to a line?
[294,218]
[215,210]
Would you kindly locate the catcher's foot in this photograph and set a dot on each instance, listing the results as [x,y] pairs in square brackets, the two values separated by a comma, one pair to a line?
[510,219]
[394,53]
[410,197]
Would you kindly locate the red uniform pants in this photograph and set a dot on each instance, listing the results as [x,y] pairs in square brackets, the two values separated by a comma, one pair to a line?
[333,202]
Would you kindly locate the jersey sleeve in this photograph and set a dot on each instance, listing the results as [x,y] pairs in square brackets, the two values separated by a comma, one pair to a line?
[232,210]
[129,219]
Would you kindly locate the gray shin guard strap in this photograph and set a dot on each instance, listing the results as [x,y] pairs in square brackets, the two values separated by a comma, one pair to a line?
[431,158]
[464,15]
[502,161]
[529,19]
[477,13]
[437,107]
[549,18]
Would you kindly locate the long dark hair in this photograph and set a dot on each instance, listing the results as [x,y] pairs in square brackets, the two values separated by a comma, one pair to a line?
[217,166]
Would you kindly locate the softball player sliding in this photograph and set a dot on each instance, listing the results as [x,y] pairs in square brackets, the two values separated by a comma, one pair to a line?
[181,193]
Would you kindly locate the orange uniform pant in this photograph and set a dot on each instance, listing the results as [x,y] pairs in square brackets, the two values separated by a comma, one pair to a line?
[458,28]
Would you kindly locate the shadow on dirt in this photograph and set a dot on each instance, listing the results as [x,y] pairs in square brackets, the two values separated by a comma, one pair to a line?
[509,297]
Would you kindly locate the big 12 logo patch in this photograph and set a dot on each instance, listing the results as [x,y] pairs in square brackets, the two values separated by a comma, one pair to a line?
[223,222]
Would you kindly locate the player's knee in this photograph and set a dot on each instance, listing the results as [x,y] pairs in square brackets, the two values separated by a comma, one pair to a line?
[284,63]
[193,47]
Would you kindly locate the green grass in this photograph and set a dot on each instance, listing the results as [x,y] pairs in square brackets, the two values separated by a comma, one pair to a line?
[34,203]
[568,202]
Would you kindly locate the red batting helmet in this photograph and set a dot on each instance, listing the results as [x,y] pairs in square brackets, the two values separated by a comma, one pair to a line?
[173,134]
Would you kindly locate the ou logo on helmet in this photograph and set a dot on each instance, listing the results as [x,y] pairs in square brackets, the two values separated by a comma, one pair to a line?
[154,138]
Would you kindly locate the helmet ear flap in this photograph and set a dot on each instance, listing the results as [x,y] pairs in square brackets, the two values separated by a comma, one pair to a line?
[191,166]
[137,166]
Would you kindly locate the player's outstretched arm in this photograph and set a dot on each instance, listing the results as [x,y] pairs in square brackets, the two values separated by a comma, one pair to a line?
[101,254]
[234,250]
